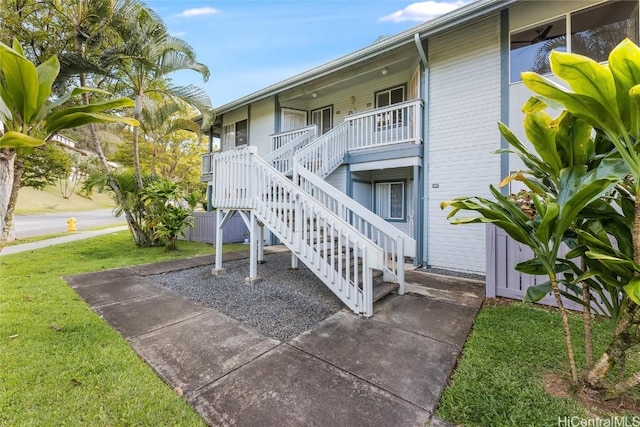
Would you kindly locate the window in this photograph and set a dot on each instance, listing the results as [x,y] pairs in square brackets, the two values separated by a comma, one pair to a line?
[530,48]
[388,97]
[235,134]
[597,30]
[594,32]
[323,117]
[390,200]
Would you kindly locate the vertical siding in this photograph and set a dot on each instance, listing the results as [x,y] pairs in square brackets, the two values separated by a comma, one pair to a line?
[261,125]
[464,106]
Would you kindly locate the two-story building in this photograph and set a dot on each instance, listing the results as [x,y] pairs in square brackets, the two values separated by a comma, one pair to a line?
[351,159]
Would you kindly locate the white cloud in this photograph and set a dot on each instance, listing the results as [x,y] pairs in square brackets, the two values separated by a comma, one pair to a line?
[198,11]
[423,11]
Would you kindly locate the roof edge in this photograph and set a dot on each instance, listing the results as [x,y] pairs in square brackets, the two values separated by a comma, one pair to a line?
[445,22]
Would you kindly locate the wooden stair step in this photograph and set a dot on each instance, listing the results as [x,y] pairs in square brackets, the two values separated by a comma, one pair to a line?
[383,289]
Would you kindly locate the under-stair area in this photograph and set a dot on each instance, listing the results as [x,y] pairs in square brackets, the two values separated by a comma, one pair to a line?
[357,254]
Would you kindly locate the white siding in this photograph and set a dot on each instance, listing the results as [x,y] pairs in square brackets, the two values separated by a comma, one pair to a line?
[261,125]
[464,106]
[338,178]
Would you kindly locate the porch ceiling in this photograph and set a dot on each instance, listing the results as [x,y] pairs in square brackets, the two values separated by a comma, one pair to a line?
[396,62]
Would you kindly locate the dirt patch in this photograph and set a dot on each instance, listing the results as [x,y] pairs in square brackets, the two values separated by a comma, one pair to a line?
[558,386]
[498,302]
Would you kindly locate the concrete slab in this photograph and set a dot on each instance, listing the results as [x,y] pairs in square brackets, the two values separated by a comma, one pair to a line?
[413,367]
[173,265]
[449,283]
[135,317]
[468,299]
[442,321]
[287,387]
[198,351]
[119,289]
[96,277]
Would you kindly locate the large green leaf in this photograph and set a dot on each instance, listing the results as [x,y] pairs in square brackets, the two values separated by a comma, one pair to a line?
[80,118]
[624,63]
[47,73]
[542,135]
[91,108]
[544,230]
[13,139]
[573,140]
[20,93]
[586,77]
[537,292]
[581,106]
[632,289]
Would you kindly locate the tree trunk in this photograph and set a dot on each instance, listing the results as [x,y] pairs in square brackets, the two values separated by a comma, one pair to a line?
[627,332]
[7,160]
[137,112]
[18,168]
[565,329]
[138,235]
[626,335]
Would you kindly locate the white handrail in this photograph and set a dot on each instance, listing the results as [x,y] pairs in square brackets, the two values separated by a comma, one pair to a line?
[282,157]
[327,244]
[281,139]
[318,159]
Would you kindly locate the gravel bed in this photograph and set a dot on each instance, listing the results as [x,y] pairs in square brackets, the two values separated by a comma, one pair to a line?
[281,306]
[453,273]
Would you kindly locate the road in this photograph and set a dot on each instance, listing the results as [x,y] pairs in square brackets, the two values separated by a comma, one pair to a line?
[38,225]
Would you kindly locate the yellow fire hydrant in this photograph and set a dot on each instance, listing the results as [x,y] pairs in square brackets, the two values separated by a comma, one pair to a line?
[71,224]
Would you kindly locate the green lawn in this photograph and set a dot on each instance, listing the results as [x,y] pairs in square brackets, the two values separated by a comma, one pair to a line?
[60,364]
[499,378]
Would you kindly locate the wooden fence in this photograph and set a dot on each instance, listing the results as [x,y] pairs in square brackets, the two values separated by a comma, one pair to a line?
[503,280]
[204,229]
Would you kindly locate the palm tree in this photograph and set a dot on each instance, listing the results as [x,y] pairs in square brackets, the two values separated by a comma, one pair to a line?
[146,57]
[160,122]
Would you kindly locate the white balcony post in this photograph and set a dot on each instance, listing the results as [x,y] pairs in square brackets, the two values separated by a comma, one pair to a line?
[400,271]
[253,252]
[218,270]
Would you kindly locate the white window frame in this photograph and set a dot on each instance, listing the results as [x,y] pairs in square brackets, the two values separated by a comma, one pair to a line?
[379,199]
[320,123]
[229,135]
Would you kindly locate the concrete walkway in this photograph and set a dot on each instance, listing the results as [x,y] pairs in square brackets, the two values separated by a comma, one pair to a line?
[388,370]
[77,235]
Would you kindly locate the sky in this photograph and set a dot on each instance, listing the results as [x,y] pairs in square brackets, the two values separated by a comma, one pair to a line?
[251,44]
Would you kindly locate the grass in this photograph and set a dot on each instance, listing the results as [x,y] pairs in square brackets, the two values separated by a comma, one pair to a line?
[31,201]
[499,378]
[54,235]
[60,364]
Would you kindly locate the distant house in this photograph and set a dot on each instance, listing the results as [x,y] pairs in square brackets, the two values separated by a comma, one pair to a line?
[351,159]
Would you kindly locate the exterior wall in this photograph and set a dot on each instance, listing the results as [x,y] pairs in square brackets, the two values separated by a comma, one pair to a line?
[232,117]
[464,106]
[261,125]
[338,178]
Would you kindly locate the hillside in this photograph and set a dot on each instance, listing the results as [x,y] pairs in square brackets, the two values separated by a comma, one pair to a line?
[50,200]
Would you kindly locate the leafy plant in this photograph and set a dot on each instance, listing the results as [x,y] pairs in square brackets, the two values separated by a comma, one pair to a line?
[30,118]
[582,183]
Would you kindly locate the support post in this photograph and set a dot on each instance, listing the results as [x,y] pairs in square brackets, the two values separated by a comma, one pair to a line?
[261,259]
[253,252]
[218,270]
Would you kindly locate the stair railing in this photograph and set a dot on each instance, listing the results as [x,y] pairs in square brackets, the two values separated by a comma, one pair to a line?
[318,159]
[332,248]
[284,145]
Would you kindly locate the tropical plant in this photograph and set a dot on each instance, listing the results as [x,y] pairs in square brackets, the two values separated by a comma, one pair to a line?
[593,205]
[146,56]
[167,209]
[29,118]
